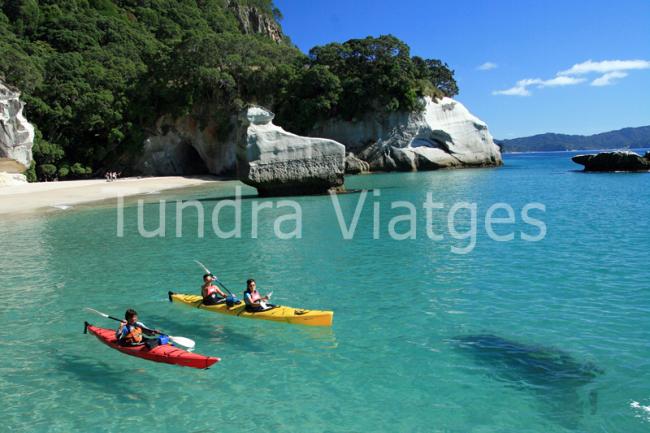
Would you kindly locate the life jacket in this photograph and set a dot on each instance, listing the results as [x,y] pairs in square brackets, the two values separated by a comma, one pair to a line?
[133,335]
[210,291]
[254,296]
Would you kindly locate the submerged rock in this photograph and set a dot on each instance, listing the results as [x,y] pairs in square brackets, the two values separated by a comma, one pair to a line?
[444,134]
[528,364]
[16,134]
[277,162]
[564,384]
[614,161]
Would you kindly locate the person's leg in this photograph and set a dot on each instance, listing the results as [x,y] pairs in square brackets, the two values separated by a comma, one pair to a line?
[151,343]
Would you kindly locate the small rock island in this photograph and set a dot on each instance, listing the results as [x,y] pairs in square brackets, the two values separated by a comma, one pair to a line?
[614,161]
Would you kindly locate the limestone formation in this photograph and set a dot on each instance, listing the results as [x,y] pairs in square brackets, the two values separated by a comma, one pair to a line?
[277,162]
[444,134]
[16,133]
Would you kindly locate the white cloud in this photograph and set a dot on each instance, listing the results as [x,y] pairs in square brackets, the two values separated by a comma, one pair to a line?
[605,66]
[610,71]
[487,66]
[562,81]
[608,78]
[513,91]
[521,88]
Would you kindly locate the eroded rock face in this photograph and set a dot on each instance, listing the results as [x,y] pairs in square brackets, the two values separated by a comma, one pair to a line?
[614,161]
[354,165]
[253,21]
[277,162]
[184,146]
[16,133]
[444,134]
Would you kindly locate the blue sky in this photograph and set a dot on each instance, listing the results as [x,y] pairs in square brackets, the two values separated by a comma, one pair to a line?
[524,40]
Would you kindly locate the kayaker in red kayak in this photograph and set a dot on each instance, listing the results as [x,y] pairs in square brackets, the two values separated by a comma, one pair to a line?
[254,301]
[212,294]
[131,332]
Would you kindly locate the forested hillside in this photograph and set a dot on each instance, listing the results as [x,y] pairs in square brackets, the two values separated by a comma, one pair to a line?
[96,74]
[626,138]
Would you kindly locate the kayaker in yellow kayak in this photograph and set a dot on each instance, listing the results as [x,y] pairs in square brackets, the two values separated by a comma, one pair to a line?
[212,295]
[254,301]
[131,332]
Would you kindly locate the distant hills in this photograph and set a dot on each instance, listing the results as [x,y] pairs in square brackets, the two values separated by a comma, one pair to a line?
[626,138]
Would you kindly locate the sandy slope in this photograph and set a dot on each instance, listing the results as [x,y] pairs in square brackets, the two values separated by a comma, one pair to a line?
[33,196]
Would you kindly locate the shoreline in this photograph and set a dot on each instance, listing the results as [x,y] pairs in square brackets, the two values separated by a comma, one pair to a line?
[33,197]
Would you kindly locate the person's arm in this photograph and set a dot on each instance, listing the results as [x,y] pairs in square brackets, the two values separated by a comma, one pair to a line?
[120,331]
[145,330]
[220,292]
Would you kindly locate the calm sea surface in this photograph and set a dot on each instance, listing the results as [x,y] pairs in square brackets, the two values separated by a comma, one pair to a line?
[513,336]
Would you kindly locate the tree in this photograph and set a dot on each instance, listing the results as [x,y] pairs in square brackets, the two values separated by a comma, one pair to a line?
[97,74]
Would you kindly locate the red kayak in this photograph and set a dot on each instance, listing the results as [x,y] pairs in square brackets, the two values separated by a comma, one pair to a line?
[167,353]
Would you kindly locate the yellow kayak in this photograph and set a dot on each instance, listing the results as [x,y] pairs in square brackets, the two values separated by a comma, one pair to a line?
[278,313]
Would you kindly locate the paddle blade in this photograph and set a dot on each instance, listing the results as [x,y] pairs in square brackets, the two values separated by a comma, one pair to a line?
[185,342]
[96,312]
[207,271]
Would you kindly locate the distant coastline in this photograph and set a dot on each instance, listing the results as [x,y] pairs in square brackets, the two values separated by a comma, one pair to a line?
[622,139]
[636,149]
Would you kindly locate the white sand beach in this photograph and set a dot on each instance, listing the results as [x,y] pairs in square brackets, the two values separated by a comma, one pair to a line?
[34,196]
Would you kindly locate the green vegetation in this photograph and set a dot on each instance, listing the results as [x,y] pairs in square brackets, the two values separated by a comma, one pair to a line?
[360,76]
[626,138]
[95,74]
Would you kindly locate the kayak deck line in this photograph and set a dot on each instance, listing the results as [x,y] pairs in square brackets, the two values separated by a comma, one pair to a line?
[279,313]
[166,353]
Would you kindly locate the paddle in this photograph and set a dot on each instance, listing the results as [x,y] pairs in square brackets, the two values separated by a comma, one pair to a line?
[207,271]
[181,341]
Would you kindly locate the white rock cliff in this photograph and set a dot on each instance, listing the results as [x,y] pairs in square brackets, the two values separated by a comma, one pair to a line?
[183,145]
[444,134]
[16,137]
[278,162]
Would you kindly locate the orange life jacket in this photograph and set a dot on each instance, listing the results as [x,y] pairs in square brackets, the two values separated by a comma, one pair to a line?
[134,336]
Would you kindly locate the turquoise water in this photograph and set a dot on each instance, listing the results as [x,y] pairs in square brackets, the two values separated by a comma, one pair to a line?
[547,336]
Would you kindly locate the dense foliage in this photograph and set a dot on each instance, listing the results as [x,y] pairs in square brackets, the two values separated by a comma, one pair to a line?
[96,73]
[360,76]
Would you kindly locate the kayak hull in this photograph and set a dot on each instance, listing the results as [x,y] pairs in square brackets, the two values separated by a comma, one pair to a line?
[295,316]
[167,354]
